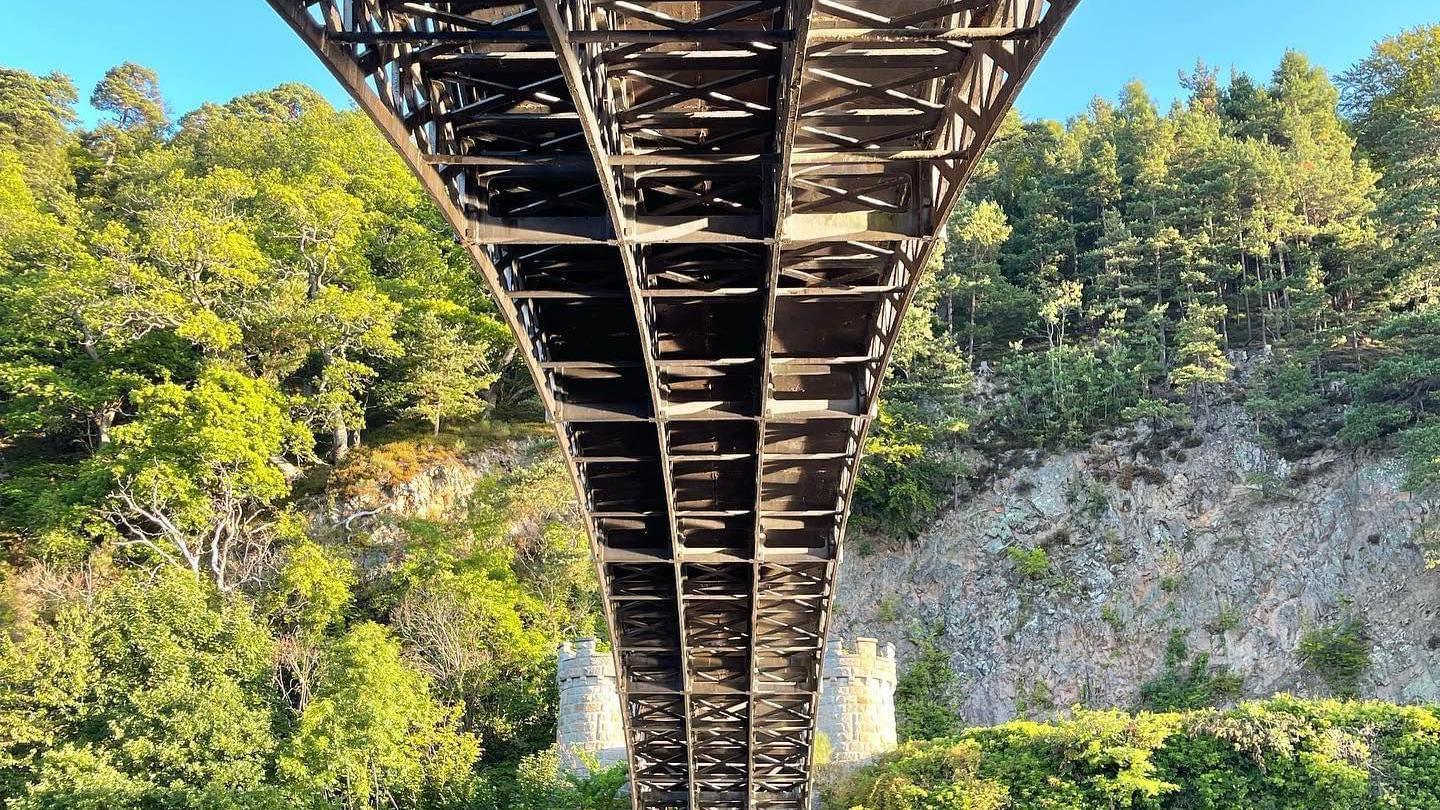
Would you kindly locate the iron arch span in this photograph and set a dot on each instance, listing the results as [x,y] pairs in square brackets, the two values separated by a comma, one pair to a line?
[704,221]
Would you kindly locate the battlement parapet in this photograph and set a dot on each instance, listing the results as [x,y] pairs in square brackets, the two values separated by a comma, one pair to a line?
[865,659]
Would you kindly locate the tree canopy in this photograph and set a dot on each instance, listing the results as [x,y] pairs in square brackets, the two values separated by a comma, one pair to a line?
[197,316]
[1116,267]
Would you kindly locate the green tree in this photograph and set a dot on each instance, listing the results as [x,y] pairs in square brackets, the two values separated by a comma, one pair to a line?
[374,736]
[1288,405]
[1401,395]
[1410,212]
[972,271]
[1200,360]
[196,472]
[479,636]
[312,588]
[157,689]
[79,331]
[36,113]
[449,364]
[130,95]
[1401,75]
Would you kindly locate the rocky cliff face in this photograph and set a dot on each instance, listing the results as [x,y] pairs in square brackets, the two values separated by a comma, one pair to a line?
[1205,533]
[367,502]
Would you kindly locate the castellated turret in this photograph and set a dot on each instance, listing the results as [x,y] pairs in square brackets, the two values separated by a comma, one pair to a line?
[857,701]
[856,712]
[590,725]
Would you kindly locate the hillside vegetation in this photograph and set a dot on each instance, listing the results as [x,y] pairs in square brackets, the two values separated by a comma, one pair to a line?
[220,332]
[200,322]
[1103,271]
[1282,753]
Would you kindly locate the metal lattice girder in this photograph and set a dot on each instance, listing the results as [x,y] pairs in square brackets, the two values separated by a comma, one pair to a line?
[704,221]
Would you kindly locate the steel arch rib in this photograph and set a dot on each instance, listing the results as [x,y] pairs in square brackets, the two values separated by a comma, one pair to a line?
[704,221]
[559,30]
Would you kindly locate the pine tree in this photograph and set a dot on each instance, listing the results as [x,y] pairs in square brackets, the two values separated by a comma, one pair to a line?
[1199,359]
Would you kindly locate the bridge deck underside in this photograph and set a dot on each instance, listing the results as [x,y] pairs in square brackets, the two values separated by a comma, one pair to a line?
[704,221]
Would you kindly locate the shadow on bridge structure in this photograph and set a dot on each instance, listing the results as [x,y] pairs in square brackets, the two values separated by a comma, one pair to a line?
[704,221]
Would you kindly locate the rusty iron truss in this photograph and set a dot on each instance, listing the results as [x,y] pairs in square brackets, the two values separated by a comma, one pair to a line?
[704,221]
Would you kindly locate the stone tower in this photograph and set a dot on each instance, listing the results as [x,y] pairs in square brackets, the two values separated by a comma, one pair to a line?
[590,723]
[857,701]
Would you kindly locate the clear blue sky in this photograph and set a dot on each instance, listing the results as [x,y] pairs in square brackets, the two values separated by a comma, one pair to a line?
[218,49]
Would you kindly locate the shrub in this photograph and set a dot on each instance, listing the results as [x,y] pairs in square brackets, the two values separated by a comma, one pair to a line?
[372,470]
[1111,616]
[1339,654]
[1427,537]
[924,693]
[922,775]
[542,784]
[1033,698]
[1032,563]
[1226,620]
[1282,753]
[1188,682]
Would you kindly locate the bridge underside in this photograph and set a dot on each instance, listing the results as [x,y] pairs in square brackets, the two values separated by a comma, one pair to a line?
[703,221]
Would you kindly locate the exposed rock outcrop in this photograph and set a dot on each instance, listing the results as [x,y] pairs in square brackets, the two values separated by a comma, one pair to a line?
[367,500]
[1205,532]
